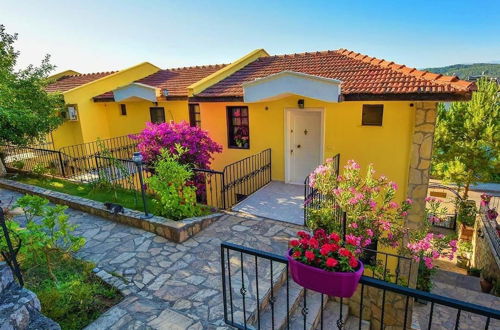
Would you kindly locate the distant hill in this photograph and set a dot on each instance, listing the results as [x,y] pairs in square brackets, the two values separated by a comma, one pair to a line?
[465,70]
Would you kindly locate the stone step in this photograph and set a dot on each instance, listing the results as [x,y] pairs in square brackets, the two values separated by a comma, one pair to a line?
[277,317]
[314,307]
[353,324]
[331,314]
[6,277]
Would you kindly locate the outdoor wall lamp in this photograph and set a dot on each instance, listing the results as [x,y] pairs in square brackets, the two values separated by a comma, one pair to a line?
[165,92]
[480,233]
[300,103]
[137,159]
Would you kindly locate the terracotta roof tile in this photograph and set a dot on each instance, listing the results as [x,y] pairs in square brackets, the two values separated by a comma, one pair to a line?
[66,83]
[359,73]
[176,81]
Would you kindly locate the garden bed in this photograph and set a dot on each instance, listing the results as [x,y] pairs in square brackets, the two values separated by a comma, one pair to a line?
[177,231]
[77,298]
[127,198]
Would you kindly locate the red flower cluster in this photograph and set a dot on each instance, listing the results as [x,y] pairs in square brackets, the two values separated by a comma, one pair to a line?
[325,251]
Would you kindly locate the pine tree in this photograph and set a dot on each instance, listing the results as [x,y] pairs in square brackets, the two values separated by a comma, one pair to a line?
[467,139]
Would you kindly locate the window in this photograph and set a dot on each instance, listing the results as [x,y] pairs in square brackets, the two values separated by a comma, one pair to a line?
[194,115]
[123,109]
[372,114]
[157,115]
[237,126]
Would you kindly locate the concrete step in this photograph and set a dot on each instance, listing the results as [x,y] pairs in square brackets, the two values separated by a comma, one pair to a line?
[314,307]
[276,316]
[331,314]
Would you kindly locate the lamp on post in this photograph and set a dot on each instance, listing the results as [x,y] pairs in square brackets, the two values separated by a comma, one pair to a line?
[137,159]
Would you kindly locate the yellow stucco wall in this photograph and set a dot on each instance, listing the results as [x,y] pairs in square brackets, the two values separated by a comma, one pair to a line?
[92,121]
[387,147]
[138,115]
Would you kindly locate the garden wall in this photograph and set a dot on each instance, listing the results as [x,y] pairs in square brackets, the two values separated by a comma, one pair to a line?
[176,231]
[485,256]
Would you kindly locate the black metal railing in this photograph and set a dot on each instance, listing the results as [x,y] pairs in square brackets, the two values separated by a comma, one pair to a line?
[104,161]
[450,199]
[80,161]
[11,250]
[37,160]
[245,177]
[257,293]
[313,199]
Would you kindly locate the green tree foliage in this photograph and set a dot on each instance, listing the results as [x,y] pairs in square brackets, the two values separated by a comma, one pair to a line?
[466,70]
[27,112]
[467,139]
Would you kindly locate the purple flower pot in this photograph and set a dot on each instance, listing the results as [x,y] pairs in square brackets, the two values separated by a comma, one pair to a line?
[335,284]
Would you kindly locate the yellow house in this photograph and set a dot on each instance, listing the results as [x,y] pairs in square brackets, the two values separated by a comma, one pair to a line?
[304,107]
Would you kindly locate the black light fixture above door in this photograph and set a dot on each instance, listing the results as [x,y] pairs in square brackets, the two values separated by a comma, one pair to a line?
[300,103]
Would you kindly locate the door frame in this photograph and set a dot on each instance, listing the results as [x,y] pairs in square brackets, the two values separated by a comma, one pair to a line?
[287,116]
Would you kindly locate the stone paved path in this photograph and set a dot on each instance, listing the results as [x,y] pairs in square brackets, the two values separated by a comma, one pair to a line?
[169,285]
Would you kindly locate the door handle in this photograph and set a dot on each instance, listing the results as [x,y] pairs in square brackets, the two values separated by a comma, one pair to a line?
[298,146]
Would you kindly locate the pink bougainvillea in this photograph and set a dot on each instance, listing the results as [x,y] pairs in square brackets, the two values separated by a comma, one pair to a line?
[156,137]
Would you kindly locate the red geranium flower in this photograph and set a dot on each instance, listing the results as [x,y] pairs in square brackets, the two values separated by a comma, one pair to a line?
[344,252]
[314,243]
[310,255]
[331,262]
[353,262]
[297,254]
[294,242]
[303,234]
[335,237]
[325,249]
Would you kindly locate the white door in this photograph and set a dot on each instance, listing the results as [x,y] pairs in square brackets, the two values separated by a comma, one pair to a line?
[304,143]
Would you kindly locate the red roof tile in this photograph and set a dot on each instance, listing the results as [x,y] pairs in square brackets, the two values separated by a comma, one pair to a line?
[360,74]
[176,81]
[66,83]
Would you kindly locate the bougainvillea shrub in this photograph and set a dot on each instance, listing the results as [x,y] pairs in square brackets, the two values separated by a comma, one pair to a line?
[198,145]
[326,251]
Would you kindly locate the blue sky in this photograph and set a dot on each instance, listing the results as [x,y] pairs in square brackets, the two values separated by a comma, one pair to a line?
[104,35]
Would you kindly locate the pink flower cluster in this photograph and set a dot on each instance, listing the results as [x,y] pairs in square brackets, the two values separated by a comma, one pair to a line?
[428,250]
[156,137]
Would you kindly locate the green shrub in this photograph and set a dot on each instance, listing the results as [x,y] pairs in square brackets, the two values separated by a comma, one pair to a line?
[175,199]
[77,297]
[41,240]
[19,164]
[40,169]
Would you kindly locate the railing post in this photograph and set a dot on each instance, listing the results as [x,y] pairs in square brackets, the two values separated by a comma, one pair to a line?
[61,163]
[344,225]
[10,258]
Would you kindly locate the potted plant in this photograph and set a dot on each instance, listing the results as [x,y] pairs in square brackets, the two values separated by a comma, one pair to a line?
[464,253]
[467,217]
[485,199]
[324,263]
[486,283]
[492,214]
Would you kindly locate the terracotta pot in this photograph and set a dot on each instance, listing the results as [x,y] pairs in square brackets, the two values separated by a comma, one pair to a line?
[336,284]
[486,286]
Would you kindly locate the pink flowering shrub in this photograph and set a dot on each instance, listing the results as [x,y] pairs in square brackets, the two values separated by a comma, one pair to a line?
[326,251]
[196,141]
[374,215]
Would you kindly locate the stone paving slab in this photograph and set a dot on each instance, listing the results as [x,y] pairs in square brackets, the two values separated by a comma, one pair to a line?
[173,285]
